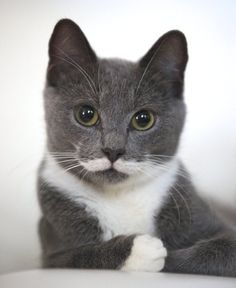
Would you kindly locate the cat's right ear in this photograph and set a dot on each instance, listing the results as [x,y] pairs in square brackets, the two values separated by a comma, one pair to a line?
[167,57]
[69,49]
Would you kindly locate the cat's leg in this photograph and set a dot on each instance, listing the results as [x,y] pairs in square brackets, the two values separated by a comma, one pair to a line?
[216,256]
[128,253]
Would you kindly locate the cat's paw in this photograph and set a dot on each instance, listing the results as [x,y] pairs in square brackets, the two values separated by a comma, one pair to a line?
[147,254]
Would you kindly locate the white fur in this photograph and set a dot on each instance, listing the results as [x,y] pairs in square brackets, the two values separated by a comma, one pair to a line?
[128,167]
[124,209]
[96,164]
[147,254]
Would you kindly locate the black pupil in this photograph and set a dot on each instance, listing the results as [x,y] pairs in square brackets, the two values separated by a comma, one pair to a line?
[143,118]
[86,113]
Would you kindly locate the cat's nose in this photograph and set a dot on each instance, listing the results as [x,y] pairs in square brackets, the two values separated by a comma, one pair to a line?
[113,154]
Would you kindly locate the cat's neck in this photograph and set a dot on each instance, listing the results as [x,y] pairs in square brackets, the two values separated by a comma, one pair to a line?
[127,208]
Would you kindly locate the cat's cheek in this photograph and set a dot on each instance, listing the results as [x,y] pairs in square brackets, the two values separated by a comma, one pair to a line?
[147,254]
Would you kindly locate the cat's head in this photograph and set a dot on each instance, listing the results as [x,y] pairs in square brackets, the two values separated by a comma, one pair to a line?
[109,119]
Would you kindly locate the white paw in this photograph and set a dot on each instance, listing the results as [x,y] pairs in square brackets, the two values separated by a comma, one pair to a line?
[147,254]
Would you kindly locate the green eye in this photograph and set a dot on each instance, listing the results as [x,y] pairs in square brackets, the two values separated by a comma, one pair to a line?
[86,115]
[143,120]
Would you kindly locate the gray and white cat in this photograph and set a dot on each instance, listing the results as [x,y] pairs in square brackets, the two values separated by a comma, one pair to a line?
[111,188]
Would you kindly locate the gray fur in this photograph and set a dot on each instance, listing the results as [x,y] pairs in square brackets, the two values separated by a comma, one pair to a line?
[196,240]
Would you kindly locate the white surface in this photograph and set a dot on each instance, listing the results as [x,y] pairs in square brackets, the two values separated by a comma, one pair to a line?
[89,279]
[126,29]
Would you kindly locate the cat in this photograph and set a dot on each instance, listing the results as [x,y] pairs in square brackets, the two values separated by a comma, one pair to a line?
[112,191]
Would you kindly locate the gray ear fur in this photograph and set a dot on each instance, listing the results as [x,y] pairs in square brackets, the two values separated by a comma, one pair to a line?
[68,48]
[168,55]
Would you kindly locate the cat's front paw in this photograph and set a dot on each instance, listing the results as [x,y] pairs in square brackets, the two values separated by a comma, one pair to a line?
[147,254]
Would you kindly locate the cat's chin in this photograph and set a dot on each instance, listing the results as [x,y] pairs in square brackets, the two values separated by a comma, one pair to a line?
[111,176]
[105,177]
[101,177]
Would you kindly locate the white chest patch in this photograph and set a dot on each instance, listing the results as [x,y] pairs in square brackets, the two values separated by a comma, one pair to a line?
[121,210]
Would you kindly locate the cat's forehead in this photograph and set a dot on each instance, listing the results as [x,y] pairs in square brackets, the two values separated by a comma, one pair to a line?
[116,67]
[117,83]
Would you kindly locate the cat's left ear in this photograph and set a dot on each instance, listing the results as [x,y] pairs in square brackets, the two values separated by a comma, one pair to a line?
[167,57]
[69,50]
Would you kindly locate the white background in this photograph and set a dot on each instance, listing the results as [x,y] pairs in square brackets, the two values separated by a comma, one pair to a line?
[125,29]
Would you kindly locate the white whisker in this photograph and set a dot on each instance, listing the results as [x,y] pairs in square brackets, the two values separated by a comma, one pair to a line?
[184,200]
[75,64]
[176,205]
[72,167]
[165,166]
[148,65]
[68,160]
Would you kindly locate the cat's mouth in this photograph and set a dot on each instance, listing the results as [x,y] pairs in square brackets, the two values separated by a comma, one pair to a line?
[111,170]
[106,167]
[112,175]
[97,165]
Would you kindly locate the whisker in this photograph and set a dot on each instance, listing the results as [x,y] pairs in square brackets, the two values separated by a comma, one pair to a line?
[60,159]
[73,167]
[185,202]
[61,156]
[79,67]
[158,83]
[75,64]
[148,65]
[86,172]
[68,160]
[158,155]
[62,152]
[166,167]
[176,205]
[98,78]
[144,171]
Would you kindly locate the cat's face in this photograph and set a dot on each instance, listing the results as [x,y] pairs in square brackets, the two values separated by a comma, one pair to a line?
[109,120]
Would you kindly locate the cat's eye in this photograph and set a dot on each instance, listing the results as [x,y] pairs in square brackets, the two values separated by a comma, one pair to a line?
[143,120]
[86,115]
